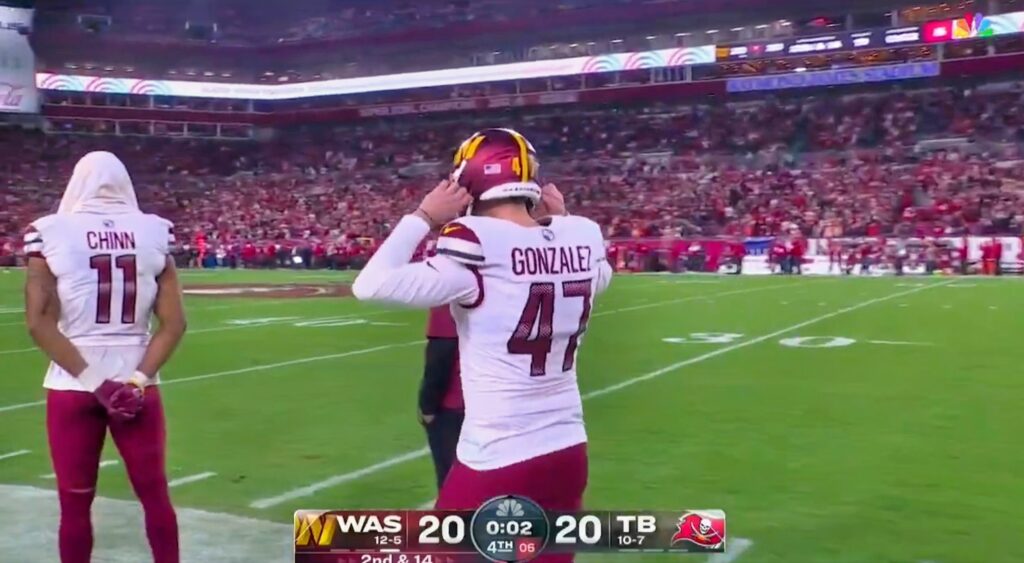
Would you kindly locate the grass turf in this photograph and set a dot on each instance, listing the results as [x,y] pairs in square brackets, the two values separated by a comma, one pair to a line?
[902,450]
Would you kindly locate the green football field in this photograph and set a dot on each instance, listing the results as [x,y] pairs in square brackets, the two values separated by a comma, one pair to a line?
[834,420]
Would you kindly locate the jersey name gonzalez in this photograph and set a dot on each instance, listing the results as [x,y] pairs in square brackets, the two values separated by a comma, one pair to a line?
[551,260]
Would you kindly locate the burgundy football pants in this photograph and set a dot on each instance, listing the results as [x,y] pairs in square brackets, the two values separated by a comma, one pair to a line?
[77,425]
[555,481]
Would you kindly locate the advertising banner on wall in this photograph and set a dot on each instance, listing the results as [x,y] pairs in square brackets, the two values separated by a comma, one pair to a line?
[834,77]
[614,62]
[18,92]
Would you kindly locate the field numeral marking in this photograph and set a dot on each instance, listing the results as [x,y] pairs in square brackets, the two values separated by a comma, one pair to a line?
[705,338]
[791,342]
[816,341]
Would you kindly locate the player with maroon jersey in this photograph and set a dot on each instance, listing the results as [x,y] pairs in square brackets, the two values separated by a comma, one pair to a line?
[98,270]
[520,276]
[441,408]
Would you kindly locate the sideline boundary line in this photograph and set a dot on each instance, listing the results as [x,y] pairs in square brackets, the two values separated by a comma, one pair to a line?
[416,454]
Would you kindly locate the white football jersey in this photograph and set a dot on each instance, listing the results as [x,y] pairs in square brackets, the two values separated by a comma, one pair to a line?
[106,268]
[519,339]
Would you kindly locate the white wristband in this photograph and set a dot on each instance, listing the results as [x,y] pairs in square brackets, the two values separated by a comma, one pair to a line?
[139,380]
[92,377]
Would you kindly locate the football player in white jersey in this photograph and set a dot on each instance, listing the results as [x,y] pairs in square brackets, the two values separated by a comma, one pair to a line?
[520,276]
[98,269]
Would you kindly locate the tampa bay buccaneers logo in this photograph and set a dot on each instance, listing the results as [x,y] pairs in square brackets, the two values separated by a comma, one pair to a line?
[704,529]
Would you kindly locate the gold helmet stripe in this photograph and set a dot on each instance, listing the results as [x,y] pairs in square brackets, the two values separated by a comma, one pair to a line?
[523,155]
[468,148]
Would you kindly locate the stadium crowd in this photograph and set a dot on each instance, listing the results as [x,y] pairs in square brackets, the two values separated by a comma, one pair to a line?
[810,166]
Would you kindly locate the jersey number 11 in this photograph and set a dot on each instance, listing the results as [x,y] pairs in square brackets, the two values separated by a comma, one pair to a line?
[103,264]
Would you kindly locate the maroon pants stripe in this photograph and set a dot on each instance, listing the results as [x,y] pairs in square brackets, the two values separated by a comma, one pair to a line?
[76,426]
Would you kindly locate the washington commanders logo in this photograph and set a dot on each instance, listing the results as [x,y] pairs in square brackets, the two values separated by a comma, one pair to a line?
[314,529]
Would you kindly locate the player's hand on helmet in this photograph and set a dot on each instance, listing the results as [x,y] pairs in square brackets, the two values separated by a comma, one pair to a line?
[552,202]
[447,201]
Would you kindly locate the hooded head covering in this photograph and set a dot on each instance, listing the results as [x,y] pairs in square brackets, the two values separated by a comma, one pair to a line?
[99,184]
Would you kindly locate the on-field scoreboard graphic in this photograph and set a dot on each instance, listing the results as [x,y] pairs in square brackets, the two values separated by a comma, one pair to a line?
[507,529]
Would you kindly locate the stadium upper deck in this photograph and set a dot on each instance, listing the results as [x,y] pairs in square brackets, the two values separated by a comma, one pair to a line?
[287,42]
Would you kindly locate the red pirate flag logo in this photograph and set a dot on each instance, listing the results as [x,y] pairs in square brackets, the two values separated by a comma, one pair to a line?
[705,529]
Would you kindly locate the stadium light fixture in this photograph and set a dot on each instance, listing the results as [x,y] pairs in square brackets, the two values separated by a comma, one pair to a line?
[617,40]
[737,29]
[683,34]
[573,45]
[591,43]
[800,69]
[762,26]
[710,31]
[652,37]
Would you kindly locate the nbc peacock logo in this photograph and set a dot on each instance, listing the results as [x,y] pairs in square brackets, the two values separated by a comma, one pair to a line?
[974,25]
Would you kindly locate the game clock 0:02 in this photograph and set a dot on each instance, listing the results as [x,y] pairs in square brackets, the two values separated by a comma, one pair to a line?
[509,529]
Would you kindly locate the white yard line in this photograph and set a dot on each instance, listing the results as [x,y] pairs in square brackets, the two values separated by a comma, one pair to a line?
[104,463]
[693,298]
[416,454]
[17,453]
[898,343]
[733,549]
[250,369]
[18,351]
[190,479]
[338,479]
